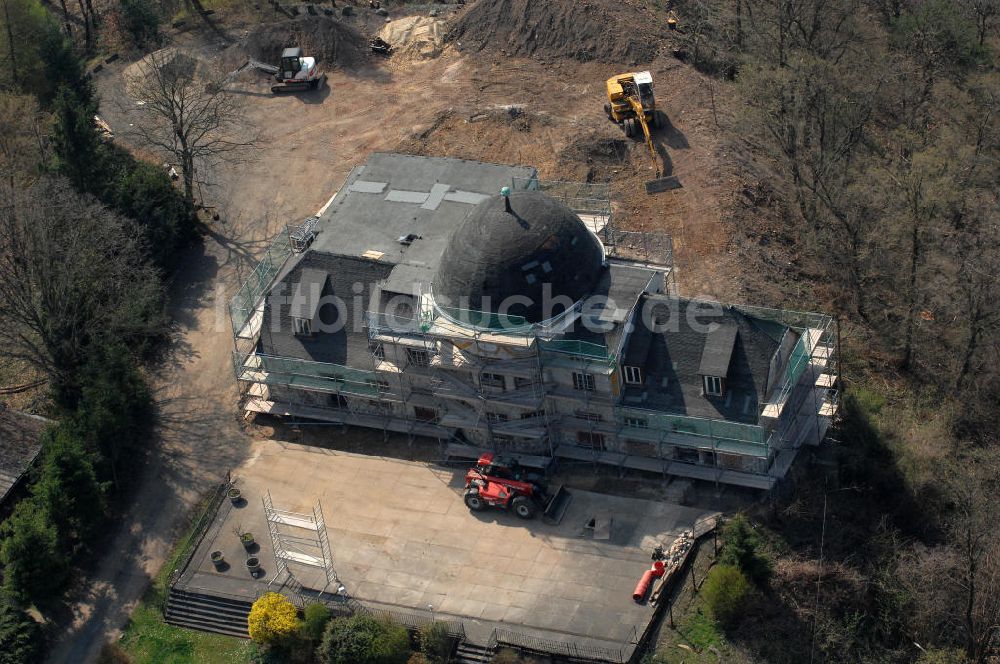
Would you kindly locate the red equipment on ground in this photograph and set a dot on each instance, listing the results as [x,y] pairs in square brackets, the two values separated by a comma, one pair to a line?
[655,572]
[500,482]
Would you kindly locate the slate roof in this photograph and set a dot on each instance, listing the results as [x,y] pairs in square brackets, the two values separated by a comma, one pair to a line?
[351,281]
[688,339]
[20,443]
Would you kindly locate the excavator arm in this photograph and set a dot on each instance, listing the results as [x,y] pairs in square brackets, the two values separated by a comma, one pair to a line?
[251,64]
[640,114]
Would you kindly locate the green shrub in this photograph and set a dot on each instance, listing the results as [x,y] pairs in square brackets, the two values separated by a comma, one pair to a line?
[435,642]
[140,20]
[935,31]
[20,636]
[726,591]
[314,621]
[361,639]
[143,192]
[35,566]
[115,412]
[742,549]
[68,490]
[74,140]
[112,653]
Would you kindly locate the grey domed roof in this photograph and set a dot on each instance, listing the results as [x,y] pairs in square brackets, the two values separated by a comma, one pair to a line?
[497,254]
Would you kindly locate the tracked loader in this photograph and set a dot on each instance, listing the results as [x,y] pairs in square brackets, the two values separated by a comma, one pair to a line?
[295,74]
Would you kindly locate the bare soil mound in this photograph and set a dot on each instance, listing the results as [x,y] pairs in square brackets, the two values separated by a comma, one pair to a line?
[414,36]
[597,156]
[602,30]
[328,40]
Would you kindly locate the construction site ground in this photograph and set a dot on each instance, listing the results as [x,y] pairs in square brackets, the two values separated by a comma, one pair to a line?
[473,104]
[403,539]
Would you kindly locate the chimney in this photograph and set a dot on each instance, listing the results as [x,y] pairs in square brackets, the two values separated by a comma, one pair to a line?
[505,192]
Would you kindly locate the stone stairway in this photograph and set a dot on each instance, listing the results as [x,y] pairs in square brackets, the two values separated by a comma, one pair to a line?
[469,653]
[209,614]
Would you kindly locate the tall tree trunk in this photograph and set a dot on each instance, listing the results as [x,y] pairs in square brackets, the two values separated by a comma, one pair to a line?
[86,25]
[10,44]
[739,23]
[93,15]
[69,26]
[911,305]
[971,344]
[970,598]
[187,166]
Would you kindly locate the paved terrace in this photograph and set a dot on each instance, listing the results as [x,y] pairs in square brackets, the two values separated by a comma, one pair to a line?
[403,540]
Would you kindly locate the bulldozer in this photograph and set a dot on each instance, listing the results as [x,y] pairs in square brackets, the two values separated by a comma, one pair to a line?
[632,106]
[295,74]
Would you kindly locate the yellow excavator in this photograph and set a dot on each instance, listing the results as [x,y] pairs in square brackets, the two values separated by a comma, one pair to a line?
[631,104]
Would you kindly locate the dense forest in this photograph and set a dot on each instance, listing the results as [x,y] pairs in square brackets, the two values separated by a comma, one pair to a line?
[869,133]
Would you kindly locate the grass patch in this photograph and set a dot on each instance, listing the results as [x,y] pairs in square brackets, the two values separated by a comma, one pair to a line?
[696,640]
[149,640]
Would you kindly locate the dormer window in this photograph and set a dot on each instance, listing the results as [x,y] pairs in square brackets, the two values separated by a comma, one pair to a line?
[713,385]
[633,375]
[303,327]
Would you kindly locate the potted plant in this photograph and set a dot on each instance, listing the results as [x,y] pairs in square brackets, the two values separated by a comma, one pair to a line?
[234,495]
[253,565]
[248,541]
[218,560]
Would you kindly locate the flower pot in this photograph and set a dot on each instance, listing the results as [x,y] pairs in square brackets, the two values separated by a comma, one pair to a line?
[253,565]
[234,496]
[218,560]
[248,541]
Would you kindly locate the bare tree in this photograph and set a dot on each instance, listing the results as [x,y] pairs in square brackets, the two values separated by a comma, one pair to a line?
[187,116]
[72,274]
[973,532]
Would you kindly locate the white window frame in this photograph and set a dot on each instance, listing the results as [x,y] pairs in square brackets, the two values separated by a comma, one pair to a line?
[584,381]
[713,386]
[633,375]
[303,327]
[637,422]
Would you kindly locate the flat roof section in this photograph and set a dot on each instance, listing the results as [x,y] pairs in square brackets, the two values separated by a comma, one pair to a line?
[395,195]
[402,538]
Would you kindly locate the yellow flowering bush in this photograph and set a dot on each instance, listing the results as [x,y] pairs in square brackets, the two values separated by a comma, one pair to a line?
[272,618]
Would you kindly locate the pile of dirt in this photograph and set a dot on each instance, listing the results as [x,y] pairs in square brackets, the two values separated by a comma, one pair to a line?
[602,30]
[328,40]
[415,36]
[596,156]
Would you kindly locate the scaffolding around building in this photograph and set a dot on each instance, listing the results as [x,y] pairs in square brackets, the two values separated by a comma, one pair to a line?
[421,396]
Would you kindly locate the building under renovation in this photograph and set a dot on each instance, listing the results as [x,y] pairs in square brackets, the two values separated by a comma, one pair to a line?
[478,305]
